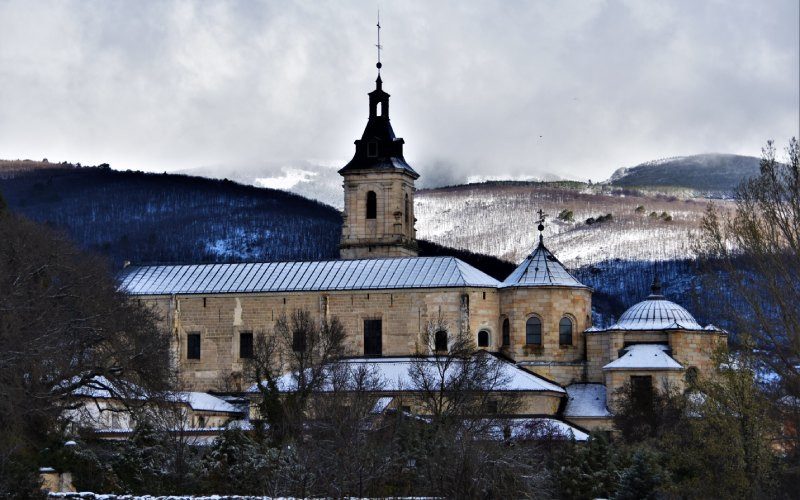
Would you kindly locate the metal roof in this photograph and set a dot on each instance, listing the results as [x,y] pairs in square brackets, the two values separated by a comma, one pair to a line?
[541,268]
[364,274]
[656,313]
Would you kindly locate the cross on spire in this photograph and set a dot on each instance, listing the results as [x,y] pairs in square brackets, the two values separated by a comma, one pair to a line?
[378,45]
[542,216]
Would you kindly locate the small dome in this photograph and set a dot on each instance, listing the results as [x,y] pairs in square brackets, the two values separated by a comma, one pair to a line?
[656,313]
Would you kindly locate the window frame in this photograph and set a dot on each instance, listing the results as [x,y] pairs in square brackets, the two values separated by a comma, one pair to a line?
[194,345]
[540,334]
[488,337]
[561,333]
[372,205]
[246,353]
[373,337]
[440,341]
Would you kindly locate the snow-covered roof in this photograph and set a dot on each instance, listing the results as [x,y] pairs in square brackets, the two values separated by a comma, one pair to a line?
[381,405]
[656,313]
[586,400]
[363,274]
[644,357]
[102,388]
[541,268]
[536,428]
[393,375]
[201,401]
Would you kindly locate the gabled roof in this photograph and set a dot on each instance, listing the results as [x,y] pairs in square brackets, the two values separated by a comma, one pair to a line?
[541,268]
[393,375]
[364,274]
[644,357]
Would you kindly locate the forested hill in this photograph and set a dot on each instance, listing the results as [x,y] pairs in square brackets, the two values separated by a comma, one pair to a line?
[145,217]
[709,173]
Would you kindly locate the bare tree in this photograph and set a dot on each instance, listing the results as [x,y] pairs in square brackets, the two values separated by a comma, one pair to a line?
[64,325]
[304,350]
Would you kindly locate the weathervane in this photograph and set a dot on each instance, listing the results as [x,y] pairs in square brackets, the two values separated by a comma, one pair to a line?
[542,216]
[379,42]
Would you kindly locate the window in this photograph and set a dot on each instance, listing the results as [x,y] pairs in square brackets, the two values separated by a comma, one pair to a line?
[491,407]
[642,390]
[506,332]
[440,341]
[407,209]
[246,345]
[483,338]
[372,337]
[193,346]
[533,331]
[372,149]
[372,205]
[298,341]
[565,331]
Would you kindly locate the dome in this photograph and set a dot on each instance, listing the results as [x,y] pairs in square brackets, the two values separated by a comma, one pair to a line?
[656,313]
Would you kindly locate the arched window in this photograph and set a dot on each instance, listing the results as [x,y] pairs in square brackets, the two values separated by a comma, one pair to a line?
[565,331]
[372,205]
[506,332]
[533,331]
[483,338]
[407,208]
[440,341]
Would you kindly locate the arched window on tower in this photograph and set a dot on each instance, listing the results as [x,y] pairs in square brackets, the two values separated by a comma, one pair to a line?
[565,331]
[440,341]
[506,333]
[483,338]
[533,331]
[372,205]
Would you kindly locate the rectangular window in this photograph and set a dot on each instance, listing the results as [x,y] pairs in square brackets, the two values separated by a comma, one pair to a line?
[372,337]
[642,390]
[193,346]
[246,345]
[491,407]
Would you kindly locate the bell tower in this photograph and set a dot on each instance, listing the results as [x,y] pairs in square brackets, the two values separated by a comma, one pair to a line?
[378,189]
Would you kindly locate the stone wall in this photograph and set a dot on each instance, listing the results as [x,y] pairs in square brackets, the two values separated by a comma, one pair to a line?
[549,304]
[391,233]
[220,320]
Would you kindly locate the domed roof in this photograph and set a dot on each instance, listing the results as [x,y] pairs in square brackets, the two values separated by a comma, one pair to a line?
[656,313]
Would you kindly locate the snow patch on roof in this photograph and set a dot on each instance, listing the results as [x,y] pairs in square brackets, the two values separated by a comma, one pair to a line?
[586,400]
[535,428]
[201,401]
[393,374]
[363,274]
[644,357]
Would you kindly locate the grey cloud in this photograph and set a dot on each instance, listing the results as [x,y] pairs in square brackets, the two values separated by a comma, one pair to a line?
[573,89]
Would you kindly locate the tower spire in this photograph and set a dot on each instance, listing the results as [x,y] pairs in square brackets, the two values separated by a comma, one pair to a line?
[378,45]
[542,216]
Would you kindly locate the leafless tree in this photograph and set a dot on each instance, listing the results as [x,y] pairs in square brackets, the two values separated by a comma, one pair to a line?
[64,325]
[303,349]
[754,279]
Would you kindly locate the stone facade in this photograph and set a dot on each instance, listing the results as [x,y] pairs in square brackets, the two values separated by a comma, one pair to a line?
[562,363]
[390,232]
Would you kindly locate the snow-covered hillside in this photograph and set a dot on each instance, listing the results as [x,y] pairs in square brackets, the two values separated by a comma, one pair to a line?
[500,220]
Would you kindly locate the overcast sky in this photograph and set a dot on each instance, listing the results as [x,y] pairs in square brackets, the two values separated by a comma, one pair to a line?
[516,89]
